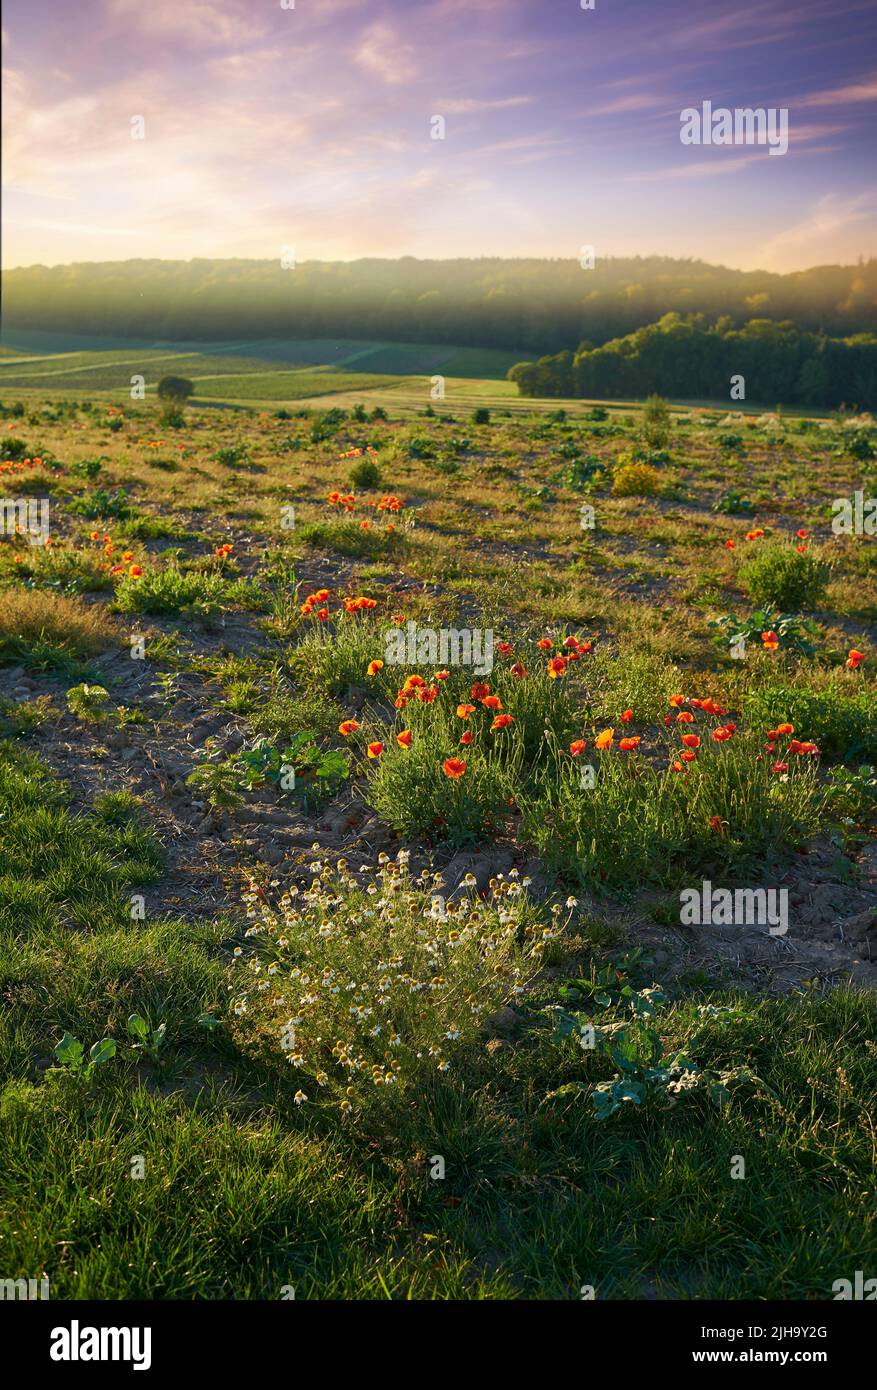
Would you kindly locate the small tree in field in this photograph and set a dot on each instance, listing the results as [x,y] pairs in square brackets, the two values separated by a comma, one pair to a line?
[176,390]
[656,422]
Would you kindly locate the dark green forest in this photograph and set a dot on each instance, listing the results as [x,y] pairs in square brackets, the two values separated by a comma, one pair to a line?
[689,358]
[529,306]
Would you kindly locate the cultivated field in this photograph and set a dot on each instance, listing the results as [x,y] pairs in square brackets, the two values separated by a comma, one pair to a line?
[329,961]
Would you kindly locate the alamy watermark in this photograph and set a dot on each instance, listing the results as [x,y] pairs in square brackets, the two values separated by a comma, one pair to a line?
[25,516]
[744,125]
[707,906]
[854,516]
[413,645]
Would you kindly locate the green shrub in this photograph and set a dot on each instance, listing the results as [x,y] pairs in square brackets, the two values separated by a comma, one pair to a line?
[841,720]
[777,576]
[365,474]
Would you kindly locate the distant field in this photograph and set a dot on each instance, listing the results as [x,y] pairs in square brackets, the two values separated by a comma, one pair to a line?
[271,373]
[268,370]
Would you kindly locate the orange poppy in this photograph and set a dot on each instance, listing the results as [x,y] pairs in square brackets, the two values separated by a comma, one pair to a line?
[691,740]
[605,739]
[626,716]
[348,726]
[467,738]
[454,767]
[501,721]
[627,745]
[556,667]
[855,659]
[577,747]
[770,640]
[375,750]
[463,711]
[404,739]
[374,667]
[479,691]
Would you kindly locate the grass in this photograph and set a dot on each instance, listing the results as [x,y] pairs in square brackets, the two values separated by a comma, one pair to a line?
[50,631]
[255,628]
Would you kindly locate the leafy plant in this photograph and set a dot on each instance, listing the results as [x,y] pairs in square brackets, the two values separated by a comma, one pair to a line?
[147,1039]
[86,702]
[795,634]
[71,1056]
[646,1073]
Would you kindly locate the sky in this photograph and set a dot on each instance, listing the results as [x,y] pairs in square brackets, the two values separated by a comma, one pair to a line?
[310,128]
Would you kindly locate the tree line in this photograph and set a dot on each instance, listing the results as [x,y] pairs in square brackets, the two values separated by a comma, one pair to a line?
[524,306]
[687,358]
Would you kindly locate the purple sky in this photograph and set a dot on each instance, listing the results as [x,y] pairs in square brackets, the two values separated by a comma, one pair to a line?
[310,128]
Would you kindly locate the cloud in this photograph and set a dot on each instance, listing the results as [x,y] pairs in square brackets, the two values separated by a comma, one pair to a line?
[197,22]
[859,91]
[458,106]
[810,241]
[383,54]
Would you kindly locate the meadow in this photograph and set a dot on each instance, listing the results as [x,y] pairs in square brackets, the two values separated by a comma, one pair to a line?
[366,978]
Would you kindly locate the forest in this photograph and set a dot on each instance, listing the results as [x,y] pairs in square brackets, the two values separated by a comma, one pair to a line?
[527,306]
[690,359]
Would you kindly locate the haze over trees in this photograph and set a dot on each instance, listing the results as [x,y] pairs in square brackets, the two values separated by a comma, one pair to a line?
[529,306]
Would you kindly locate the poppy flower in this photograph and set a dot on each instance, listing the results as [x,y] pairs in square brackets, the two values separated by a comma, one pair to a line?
[855,659]
[504,648]
[691,740]
[348,726]
[466,738]
[780,767]
[492,702]
[413,683]
[375,750]
[334,498]
[676,700]
[401,700]
[802,534]
[796,747]
[128,556]
[94,536]
[586,647]
[770,640]
[685,717]
[577,747]
[319,597]
[716,823]
[463,711]
[755,535]
[785,728]
[627,745]
[323,615]
[677,767]
[626,716]
[545,644]
[801,549]
[501,721]
[427,695]
[730,545]
[571,642]
[135,571]
[556,667]
[688,756]
[374,667]
[454,767]
[404,739]
[479,691]
[442,675]
[518,670]
[605,739]
[722,735]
